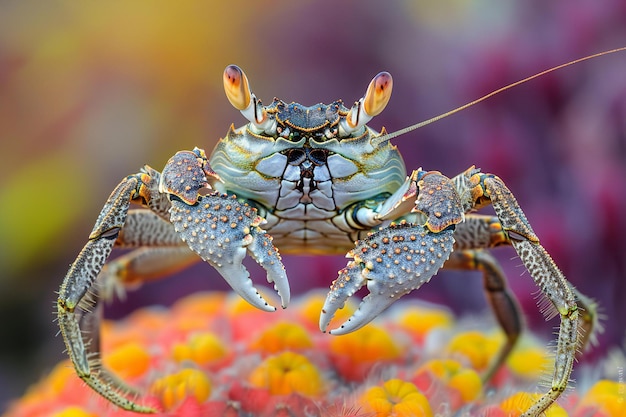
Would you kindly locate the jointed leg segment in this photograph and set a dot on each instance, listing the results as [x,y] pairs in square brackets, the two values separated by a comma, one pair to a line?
[75,310]
[502,301]
[547,276]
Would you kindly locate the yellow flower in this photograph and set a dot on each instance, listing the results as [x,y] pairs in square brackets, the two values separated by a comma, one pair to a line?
[454,375]
[287,373]
[396,398]
[128,361]
[419,321]
[202,348]
[173,389]
[477,347]
[608,396]
[528,361]
[282,336]
[73,411]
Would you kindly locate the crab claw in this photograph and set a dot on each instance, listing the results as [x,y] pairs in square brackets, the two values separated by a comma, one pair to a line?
[222,230]
[392,262]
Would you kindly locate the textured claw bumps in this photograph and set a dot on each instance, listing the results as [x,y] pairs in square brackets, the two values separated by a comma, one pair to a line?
[393,262]
[221,230]
[184,176]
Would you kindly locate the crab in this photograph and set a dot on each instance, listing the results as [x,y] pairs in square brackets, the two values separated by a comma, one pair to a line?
[312,180]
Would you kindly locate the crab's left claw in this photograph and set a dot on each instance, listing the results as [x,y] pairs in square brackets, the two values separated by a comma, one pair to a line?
[392,262]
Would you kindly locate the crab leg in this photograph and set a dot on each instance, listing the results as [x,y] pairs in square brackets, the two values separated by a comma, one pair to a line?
[547,276]
[481,232]
[73,296]
[161,253]
[502,301]
[578,314]
[476,233]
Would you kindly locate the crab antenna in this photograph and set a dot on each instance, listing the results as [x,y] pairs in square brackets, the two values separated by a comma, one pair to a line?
[238,92]
[371,104]
[384,138]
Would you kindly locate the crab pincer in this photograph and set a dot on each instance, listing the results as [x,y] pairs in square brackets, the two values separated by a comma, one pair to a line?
[392,262]
[220,228]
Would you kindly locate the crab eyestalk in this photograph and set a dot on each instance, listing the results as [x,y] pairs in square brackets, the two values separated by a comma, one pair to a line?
[238,92]
[371,104]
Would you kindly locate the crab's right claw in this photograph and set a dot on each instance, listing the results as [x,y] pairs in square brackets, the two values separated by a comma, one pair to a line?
[220,228]
[392,262]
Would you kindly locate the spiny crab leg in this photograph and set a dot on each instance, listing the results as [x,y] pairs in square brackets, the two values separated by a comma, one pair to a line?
[75,303]
[392,262]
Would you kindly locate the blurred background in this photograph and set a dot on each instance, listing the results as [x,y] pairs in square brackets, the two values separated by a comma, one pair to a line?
[91,91]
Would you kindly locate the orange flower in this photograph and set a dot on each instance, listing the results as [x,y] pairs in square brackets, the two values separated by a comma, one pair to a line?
[173,389]
[282,336]
[355,354]
[396,398]
[604,399]
[128,361]
[287,373]
[204,349]
[312,382]
[446,378]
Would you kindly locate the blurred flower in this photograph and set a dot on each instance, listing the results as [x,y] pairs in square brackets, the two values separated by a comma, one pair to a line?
[446,378]
[204,349]
[287,373]
[476,347]
[282,336]
[396,398]
[604,399]
[281,366]
[128,361]
[419,321]
[173,389]
[355,354]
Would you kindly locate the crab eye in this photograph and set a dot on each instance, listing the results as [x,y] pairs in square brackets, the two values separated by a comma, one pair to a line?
[371,104]
[284,132]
